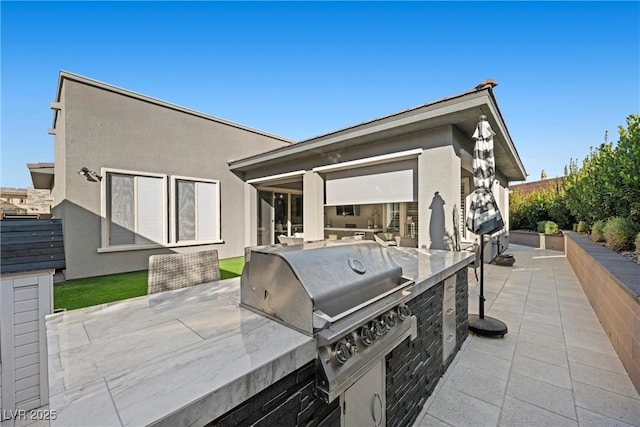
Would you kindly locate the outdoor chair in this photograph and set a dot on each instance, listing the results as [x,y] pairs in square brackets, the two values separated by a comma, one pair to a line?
[283,239]
[383,242]
[287,240]
[175,271]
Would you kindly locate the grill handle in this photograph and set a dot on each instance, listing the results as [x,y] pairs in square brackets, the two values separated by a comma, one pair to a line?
[373,409]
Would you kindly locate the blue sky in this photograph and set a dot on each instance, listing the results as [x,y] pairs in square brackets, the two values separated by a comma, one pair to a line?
[567,72]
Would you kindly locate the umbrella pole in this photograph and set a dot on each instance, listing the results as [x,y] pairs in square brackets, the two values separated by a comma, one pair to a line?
[479,323]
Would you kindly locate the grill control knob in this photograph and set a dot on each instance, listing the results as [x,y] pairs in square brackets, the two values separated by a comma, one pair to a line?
[403,311]
[351,343]
[367,335]
[379,328]
[341,352]
[389,320]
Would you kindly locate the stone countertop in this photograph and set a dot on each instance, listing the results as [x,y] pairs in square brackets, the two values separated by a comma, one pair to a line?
[428,266]
[181,357]
[187,356]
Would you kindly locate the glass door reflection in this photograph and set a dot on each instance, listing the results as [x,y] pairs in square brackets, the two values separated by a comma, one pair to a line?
[281,214]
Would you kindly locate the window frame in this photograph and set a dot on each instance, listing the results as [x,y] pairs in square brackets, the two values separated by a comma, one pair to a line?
[106,217]
[173,217]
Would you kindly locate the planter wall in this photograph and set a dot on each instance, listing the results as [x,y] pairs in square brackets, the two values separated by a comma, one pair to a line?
[537,240]
[612,285]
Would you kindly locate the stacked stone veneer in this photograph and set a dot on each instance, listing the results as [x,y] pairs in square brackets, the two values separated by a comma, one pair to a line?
[412,371]
[288,402]
[414,367]
[39,201]
[612,285]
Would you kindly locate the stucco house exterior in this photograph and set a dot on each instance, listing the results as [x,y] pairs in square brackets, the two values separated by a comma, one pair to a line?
[170,179]
[165,184]
[409,173]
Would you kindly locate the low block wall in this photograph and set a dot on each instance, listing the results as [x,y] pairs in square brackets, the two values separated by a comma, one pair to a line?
[537,240]
[612,285]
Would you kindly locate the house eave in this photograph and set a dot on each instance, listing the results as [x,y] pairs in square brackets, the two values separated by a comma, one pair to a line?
[42,175]
[461,111]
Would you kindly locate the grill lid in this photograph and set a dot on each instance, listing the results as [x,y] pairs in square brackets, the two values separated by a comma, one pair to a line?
[338,278]
[321,280]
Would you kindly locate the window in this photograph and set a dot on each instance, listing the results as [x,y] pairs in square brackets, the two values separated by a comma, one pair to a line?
[412,220]
[393,217]
[195,210]
[135,209]
[141,210]
[296,213]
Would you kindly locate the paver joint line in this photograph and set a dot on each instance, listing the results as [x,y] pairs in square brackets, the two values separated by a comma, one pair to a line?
[556,315]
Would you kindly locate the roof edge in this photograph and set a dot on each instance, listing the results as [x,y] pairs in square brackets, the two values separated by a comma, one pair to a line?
[486,87]
[476,89]
[507,135]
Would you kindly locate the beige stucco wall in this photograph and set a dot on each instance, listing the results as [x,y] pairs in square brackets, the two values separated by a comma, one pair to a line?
[353,151]
[438,196]
[100,128]
[60,182]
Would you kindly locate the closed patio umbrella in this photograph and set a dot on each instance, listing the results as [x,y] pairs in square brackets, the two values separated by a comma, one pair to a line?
[483,217]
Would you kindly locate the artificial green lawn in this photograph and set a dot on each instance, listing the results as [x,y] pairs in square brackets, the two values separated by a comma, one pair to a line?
[80,293]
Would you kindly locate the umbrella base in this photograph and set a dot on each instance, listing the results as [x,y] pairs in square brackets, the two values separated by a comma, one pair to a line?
[487,326]
[504,260]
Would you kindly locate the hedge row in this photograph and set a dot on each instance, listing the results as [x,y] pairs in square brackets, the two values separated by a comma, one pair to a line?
[601,197]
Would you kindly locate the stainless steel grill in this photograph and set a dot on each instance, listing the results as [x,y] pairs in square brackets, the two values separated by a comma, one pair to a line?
[349,296]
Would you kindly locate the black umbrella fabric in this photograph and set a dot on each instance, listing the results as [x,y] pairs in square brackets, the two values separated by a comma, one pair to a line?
[483,217]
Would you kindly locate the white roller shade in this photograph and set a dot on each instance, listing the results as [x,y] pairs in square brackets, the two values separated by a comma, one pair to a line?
[207,210]
[150,209]
[386,183]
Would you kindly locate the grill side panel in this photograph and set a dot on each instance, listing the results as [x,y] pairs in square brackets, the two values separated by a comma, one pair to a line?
[270,287]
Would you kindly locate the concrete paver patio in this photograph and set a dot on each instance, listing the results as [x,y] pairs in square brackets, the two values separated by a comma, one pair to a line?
[555,367]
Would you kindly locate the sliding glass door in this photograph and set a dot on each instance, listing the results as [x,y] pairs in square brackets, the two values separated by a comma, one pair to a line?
[279,214]
[281,209]
[265,217]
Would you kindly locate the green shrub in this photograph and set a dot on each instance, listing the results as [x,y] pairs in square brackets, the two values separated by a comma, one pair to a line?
[575,227]
[607,184]
[619,233]
[637,242]
[583,227]
[526,210]
[547,227]
[597,231]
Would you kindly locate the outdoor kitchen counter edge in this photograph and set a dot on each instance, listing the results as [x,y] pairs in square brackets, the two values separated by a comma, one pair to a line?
[428,267]
[187,356]
[181,357]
